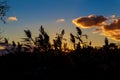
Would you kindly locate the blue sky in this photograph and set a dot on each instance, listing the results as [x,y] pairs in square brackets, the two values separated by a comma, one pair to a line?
[33,13]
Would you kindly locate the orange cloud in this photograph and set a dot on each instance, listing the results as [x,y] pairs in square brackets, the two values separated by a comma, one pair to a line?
[13,18]
[108,26]
[89,21]
[97,30]
[60,20]
[112,30]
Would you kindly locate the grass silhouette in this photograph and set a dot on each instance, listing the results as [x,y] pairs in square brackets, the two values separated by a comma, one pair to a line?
[38,59]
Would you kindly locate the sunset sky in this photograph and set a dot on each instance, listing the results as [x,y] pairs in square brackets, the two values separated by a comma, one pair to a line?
[97,18]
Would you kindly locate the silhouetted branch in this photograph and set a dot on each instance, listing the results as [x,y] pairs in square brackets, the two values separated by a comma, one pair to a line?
[3,10]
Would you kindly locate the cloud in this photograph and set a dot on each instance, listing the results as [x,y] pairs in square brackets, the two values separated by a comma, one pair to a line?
[60,20]
[97,30]
[109,27]
[113,29]
[89,21]
[13,18]
[113,16]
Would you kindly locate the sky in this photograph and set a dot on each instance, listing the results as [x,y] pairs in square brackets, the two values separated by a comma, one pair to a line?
[56,15]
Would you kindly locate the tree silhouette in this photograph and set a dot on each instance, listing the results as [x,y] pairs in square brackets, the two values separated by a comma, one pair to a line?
[3,10]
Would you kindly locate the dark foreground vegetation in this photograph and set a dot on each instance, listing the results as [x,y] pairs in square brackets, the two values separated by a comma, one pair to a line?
[39,60]
[86,63]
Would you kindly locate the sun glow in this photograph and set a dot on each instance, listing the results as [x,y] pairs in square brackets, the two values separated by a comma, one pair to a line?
[2,47]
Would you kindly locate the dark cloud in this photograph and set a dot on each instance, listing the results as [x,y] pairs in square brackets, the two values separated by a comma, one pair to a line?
[89,21]
[108,26]
[113,29]
[115,25]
